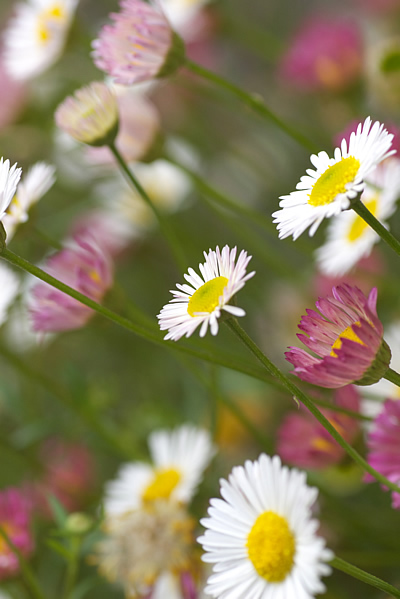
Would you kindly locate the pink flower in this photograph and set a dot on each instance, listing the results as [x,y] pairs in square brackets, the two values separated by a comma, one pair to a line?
[347,335]
[139,46]
[15,521]
[83,266]
[384,446]
[326,53]
[106,227]
[304,442]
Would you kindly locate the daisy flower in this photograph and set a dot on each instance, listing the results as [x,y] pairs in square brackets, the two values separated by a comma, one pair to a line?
[349,236]
[179,459]
[261,537]
[335,182]
[36,35]
[9,179]
[201,302]
[347,336]
[38,180]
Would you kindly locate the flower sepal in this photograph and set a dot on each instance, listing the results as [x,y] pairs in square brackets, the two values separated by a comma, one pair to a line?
[175,57]
[3,237]
[378,368]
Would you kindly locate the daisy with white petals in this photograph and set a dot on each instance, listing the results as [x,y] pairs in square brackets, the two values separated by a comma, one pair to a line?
[36,35]
[202,301]
[335,182]
[9,179]
[349,236]
[261,537]
[179,459]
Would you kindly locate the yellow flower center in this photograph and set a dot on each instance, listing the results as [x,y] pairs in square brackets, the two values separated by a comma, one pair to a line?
[333,181]
[271,547]
[162,485]
[55,13]
[206,297]
[359,225]
[347,334]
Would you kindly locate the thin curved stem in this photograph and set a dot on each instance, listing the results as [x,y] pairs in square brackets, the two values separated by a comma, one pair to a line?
[392,376]
[298,394]
[377,226]
[253,101]
[343,566]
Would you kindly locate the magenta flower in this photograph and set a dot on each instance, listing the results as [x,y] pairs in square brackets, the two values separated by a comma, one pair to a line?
[139,46]
[304,442]
[83,266]
[347,335]
[326,53]
[15,512]
[384,446]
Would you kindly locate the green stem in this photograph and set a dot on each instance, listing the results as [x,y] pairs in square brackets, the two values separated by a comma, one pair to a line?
[72,567]
[163,222]
[373,581]
[253,101]
[392,376]
[298,394]
[374,223]
[27,572]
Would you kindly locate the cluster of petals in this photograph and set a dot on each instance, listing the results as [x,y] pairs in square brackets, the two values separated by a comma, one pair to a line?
[136,46]
[83,266]
[9,179]
[15,516]
[345,313]
[305,443]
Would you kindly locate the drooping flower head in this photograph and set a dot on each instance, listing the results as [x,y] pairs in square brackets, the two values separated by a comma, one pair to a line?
[84,267]
[90,115]
[38,180]
[202,301]
[36,35]
[335,182]
[326,53]
[9,179]
[347,336]
[384,446]
[179,459]
[261,536]
[15,511]
[139,46]
[349,236]
[305,443]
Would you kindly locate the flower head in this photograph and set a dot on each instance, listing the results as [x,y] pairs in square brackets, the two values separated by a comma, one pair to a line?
[15,512]
[349,237]
[84,267]
[36,35]
[347,336]
[201,302]
[9,179]
[140,45]
[38,180]
[260,536]
[335,182]
[179,459]
[384,445]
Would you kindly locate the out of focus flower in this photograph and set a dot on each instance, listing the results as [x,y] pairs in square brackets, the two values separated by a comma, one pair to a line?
[90,115]
[108,229]
[261,535]
[35,37]
[182,14]
[325,54]
[9,285]
[139,46]
[304,442]
[179,459]
[15,521]
[69,475]
[38,180]
[349,236]
[347,336]
[202,301]
[138,132]
[9,179]
[335,182]
[83,266]
[384,446]
[143,544]
[13,96]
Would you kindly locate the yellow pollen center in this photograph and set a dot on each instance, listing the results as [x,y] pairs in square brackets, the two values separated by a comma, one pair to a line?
[45,19]
[162,485]
[333,181]
[347,334]
[206,297]
[271,547]
[359,225]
